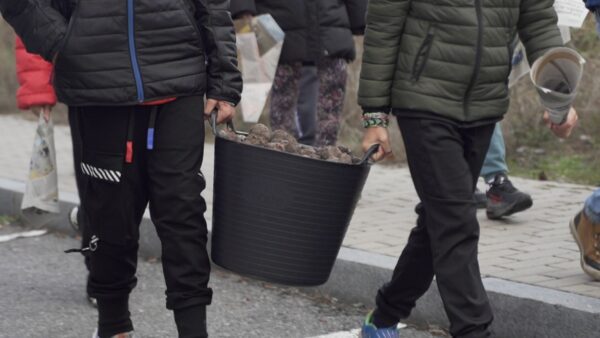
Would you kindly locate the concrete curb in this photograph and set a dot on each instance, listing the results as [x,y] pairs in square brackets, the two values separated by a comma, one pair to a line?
[520,310]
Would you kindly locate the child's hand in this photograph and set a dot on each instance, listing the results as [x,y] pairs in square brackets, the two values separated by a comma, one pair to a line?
[226,110]
[377,135]
[563,130]
[36,110]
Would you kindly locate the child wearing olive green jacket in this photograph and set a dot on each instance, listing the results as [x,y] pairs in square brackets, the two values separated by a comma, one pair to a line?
[441,66]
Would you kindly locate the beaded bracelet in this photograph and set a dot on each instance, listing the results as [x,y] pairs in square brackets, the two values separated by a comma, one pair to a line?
[371,120]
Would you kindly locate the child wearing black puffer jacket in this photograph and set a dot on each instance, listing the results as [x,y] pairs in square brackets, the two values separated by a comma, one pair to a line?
[134,75]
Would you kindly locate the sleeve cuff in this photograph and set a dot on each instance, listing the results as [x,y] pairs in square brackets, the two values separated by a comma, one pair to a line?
[229,100]
[368,110]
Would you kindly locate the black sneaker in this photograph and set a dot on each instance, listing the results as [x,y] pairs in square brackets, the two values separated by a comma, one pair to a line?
[504,199]
[480,199]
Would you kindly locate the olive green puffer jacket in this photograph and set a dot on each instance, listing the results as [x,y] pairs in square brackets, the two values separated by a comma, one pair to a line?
[449,57]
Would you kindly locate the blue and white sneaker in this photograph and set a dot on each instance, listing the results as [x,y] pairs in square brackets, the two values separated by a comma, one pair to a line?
[369,330]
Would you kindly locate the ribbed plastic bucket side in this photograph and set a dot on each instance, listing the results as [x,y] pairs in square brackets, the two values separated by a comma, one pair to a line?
[280,217]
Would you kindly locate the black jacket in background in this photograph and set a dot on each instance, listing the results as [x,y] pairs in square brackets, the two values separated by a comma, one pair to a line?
[313,28]
[126,52]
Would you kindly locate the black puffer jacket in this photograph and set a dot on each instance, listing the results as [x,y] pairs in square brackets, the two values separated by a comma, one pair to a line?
[124,52]
[313,28]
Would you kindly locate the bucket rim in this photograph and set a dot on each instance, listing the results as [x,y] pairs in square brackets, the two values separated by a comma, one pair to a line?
[362,164]
[365,162]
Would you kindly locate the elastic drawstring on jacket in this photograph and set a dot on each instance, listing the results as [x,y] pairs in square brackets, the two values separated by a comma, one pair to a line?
[150,137]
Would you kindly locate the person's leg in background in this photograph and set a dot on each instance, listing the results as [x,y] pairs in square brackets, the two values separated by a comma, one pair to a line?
[284,97]
[592,207]
[307,105]
[332,88]
[585,226]
[502,198]
[495,159]
[445,240]
[494,163]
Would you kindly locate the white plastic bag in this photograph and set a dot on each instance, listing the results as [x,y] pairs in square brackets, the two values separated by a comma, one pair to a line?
[41,191]
[259,45]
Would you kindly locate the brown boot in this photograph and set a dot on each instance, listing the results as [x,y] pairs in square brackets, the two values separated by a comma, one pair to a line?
[587,236]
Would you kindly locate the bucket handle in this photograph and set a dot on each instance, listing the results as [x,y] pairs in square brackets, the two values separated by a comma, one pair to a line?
[370,152]
[213,124]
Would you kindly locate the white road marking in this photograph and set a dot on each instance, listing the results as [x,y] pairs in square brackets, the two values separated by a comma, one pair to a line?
[346,334]
[26,234]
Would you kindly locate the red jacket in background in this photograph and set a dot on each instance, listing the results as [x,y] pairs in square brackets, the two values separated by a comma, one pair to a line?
[34,75]
[35,80]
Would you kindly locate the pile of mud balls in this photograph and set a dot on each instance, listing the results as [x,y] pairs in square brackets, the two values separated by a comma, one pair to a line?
[279,140]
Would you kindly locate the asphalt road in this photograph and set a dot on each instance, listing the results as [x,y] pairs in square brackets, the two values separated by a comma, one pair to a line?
[42,295]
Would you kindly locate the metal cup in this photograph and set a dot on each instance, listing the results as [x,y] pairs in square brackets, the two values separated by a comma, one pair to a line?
[556,76]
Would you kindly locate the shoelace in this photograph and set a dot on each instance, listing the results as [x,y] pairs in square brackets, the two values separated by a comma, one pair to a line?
[502,182]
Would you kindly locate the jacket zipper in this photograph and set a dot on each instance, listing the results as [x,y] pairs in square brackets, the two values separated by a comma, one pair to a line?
[475,76]
[132,51]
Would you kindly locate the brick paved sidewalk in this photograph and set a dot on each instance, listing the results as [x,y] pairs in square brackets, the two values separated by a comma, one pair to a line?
[533,247]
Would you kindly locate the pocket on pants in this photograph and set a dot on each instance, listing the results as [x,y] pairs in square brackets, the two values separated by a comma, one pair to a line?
[103,167]
[103,196]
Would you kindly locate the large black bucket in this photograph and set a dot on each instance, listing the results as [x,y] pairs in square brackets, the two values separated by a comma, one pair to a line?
[281,217]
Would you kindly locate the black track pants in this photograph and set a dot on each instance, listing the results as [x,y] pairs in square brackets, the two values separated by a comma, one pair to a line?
[445,161]
[123,177]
